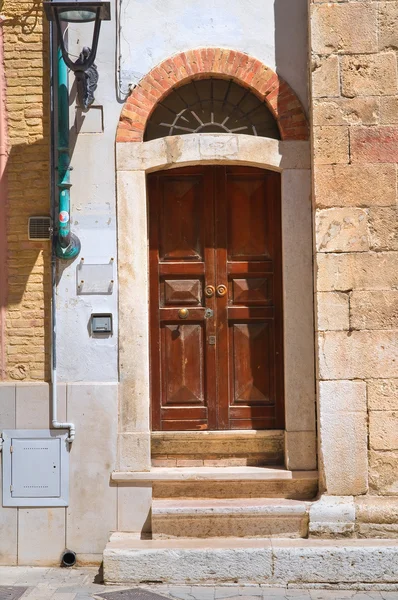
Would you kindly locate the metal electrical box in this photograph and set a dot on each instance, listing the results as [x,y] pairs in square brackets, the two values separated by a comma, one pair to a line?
[35,468]
[101,323]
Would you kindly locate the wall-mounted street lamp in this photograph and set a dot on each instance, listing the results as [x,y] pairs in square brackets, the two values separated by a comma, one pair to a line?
[66,244]
[80,11]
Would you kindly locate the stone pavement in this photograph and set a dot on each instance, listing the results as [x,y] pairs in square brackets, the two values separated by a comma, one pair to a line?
[43,583]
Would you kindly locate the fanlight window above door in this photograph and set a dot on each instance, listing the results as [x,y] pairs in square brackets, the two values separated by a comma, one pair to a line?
[211,106]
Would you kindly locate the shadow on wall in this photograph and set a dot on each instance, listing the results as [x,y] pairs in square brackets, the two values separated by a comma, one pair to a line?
[26,18]
[291,45]
[26,295]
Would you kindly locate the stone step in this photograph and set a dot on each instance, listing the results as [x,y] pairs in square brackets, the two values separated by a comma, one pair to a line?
[217,448]
[242,517]
[225,482]
[269,561]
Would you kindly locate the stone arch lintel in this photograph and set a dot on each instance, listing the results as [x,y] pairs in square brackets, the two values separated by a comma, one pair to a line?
[211,148]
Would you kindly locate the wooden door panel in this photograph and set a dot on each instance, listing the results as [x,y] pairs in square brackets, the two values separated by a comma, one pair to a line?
[182,354]
[250,313]
[251,358]
[196,313]
[180,291]
[261,417]
[248,219]
[252,290]
[251,268]
[165,269]
[181,227]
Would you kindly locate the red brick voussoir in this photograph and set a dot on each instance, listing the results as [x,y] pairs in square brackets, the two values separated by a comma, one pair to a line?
[205,62]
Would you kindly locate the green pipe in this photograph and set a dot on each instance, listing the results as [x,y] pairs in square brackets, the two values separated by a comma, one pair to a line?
[68,244]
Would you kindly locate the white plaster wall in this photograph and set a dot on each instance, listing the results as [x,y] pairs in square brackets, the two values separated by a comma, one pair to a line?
[274,31]
[93,218]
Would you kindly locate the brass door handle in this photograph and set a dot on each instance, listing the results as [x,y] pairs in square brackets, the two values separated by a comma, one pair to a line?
[209,291]
[221,290]
[183,313]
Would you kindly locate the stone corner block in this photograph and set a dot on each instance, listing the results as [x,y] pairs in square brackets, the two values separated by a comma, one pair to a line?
[134,507]
[383,472]
[369,75]
[342,230]
[331,145]
[383,430]
[333,312]
[300,449]
[376,509]
[358,354]
[325,77]
[344,452]
[340,396]
[332,516]
[383,394]
[344,28]
[134,451]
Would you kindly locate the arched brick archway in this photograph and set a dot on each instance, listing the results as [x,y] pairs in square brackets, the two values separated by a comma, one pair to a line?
[204,62]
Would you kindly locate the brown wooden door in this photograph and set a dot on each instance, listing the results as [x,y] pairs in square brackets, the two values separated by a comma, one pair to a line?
[215,299]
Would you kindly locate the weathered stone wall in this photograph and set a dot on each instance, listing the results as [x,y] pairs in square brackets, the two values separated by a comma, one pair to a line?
[28,293]
[355,137]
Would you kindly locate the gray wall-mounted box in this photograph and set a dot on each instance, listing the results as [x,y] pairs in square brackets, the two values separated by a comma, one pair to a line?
[101,323]
[35,467]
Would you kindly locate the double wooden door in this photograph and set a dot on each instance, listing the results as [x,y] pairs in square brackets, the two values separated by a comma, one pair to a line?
[215,299]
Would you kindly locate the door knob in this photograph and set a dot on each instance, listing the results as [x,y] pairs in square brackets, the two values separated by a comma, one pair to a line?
[221,290]
[183,313]
[209,291]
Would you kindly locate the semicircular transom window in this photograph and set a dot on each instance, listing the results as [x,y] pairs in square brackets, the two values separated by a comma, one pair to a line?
[211,106]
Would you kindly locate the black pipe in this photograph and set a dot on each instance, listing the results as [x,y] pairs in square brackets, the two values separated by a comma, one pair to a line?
[68,558]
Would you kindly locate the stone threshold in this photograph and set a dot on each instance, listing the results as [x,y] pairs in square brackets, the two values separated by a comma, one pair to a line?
[230,506]
[227,448]
[220,434]
[229,517]
[213,474]
[267,561]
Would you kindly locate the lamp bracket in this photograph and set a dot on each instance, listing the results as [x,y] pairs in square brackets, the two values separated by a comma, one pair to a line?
[86,78]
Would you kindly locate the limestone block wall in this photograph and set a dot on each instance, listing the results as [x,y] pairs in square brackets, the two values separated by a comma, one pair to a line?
[355,144]
[26,319]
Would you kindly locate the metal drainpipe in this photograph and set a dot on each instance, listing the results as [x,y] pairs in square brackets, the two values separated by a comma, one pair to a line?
[54,401]
[68,244]
[3,207]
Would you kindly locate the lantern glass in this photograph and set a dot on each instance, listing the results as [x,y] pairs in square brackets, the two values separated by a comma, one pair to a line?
[77,16]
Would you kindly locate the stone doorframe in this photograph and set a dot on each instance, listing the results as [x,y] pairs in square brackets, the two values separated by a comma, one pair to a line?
[134,160]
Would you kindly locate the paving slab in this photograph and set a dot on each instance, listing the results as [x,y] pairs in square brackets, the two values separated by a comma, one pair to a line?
[41,583]
[32,576]
[182,592]
[131,594]
[11,592]
[229,592]
[331,594]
